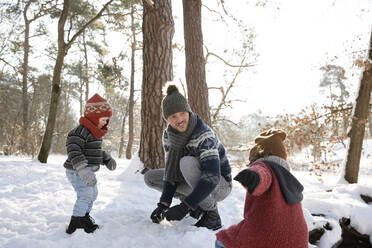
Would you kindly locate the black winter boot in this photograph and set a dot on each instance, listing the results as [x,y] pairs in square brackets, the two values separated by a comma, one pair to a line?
[74,224]
[211,220]
[87,222]
[196,213]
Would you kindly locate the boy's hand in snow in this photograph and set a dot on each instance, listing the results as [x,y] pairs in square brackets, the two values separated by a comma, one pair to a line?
[177,212]
[87,176]
[249,179]
[158,214]
[111,164]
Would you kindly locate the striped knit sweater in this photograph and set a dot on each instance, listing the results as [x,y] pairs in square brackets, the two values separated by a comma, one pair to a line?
[83,149]
[205,146]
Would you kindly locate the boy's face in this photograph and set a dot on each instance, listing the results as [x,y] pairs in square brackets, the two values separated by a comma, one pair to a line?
[102,122]
[179,121]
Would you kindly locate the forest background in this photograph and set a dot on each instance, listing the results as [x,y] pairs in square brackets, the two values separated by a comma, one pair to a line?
[292,65]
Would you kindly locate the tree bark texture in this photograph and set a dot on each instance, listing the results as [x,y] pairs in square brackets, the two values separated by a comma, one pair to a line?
[370,121]
[25,102]
[86,68]
[122,132]
[197,89]
[359,122]
[158,31]
[56,90]
[128,152]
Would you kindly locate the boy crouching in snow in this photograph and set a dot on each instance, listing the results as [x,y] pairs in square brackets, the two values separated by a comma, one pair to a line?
[85,155]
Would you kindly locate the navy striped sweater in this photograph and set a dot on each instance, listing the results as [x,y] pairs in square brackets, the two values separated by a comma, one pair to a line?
[205,146]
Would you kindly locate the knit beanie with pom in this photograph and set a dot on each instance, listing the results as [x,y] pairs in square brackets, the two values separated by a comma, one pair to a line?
[268,143]
[174,102]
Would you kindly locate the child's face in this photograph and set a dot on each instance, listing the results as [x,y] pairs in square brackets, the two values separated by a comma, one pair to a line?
[103,121]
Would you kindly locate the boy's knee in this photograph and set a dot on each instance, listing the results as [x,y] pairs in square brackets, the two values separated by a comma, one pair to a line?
[89,195]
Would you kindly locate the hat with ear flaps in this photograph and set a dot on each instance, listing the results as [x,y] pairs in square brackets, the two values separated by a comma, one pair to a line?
[267,143]
[97,107]
[174,102]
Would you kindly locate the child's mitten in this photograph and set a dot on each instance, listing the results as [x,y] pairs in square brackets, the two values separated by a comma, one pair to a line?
[248,178]
[111,164]
[87,176]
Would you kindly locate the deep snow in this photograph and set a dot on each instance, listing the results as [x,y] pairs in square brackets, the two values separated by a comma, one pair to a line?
[36,202]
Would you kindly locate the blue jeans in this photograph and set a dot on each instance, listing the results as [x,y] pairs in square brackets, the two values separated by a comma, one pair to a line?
[85,195]
[218,244]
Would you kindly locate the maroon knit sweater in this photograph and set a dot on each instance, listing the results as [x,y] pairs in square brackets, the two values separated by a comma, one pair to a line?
[269,222]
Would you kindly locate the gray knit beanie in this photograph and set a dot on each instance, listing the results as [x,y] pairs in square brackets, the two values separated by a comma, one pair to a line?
[174,102]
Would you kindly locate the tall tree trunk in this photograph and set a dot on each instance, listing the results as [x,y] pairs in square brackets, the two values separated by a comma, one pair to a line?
[359,121]
[26,48]
[122,131]
[25,103]
[158,31]
[128,153]
[56,90]
[62,51]
[86,69]
[197,89]
[81,85]
[370,122]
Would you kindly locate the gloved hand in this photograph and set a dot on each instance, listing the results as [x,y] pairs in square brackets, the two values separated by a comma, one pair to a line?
[177,212]
[111,164]
[87,176]
[158,214]
[248,178]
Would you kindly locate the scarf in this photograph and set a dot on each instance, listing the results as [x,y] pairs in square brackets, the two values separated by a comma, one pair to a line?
[177,142]
[96,132]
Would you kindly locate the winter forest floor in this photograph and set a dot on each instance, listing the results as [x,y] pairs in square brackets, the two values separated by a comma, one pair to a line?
[36,202]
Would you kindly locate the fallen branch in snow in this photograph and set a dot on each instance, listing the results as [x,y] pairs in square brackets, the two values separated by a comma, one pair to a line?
[350,236]
[367,199]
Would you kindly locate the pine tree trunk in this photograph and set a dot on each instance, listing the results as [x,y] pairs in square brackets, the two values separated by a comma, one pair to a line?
[56,90]
[86,69]
[158,31]
[359,122]
[81,85]
[26,49]
[370,121]
[197,89]
[25,68]
[122,132]
[128,153]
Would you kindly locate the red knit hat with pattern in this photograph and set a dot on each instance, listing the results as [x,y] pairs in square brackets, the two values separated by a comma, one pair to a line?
[97,107]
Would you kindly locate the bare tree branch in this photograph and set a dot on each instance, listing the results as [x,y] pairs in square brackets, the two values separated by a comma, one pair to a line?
[227,63]
[99,14]
[225,93]
[6,62]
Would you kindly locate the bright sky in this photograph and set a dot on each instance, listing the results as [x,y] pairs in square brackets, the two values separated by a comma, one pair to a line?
[294,39]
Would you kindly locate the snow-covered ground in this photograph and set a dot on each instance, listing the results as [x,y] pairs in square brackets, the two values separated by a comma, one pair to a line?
[36,203]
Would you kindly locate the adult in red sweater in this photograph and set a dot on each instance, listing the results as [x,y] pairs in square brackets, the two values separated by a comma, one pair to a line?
[273,216]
